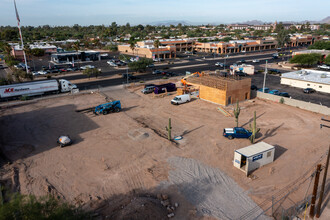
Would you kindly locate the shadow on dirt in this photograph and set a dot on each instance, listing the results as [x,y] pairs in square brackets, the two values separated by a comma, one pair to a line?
[33,132]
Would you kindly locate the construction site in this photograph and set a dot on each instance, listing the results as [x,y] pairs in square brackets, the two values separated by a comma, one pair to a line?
[130,164]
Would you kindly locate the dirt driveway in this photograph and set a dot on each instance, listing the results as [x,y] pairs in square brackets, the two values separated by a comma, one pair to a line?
[128,151]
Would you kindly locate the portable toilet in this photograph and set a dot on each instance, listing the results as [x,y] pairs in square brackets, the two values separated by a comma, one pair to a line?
[254,156]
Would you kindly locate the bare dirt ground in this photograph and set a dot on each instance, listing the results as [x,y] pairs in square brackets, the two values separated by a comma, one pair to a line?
[121,162]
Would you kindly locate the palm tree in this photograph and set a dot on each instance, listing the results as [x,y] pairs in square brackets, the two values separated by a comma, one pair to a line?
[157,45]
[7,49]
[76,47]
[132,46]
[29,54]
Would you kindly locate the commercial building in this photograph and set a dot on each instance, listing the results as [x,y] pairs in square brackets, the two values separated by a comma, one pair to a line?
[148,51]
[221,90]
[248,69]
[303,40]
[324,53]
[17,50]
[72,57]
[254,156]
[264,27]
[315,79]
[236,46]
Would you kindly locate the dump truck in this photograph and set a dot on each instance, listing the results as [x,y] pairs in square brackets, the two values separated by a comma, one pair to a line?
[36,88]
[236,132]
[107,108]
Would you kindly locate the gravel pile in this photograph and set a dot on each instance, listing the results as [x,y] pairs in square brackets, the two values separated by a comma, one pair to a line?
[211,191]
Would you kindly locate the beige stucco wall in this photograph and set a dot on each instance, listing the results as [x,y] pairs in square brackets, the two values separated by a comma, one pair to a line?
[305,84]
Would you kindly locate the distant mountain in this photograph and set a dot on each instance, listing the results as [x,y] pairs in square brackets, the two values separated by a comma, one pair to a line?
[253,22]
[325,20]
[169,22]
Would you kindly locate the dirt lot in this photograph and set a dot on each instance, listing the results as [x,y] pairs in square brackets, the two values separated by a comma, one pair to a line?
[125,159]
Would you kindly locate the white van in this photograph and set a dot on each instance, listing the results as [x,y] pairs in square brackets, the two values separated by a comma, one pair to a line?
[180,99]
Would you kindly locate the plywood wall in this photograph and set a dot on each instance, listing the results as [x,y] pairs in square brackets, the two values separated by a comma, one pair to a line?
[236,90]
[212,94]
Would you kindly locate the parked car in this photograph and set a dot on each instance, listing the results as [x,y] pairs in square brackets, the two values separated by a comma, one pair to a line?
[157,59]
[219,64]
[129,76]
[274,71]
[241,61]
[255,61]
[54,71]
[240,73]
[42,72]
[254,87]
[112,63]
[170,74]
[274,92]
[87,66]
[151,65]
[324,67]
[155,72]
[309,90]
[148,89]
[266,90]
[284,94]
[35,73]
[236,132]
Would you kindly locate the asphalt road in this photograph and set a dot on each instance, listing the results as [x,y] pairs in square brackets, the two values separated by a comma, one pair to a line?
[198,63]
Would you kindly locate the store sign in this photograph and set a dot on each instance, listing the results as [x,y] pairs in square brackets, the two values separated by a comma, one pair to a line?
[258,157]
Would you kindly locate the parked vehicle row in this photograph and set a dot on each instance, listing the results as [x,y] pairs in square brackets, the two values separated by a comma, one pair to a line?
[116,62]
[165,73]
[273,92]
[157,89]
[45,71]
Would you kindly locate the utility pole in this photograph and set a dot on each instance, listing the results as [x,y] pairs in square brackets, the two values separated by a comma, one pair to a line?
[263,87]
[318,210]
[316,183]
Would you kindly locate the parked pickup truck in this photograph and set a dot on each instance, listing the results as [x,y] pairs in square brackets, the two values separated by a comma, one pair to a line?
[324,67]
[236,132]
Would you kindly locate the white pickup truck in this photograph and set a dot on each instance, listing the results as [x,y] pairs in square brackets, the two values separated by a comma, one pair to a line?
[324,67]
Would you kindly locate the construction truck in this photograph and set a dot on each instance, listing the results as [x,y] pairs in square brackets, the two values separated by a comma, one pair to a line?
[196,74]
[107,108]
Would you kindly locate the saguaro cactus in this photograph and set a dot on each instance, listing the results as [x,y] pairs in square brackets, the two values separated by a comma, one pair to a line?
[254,129]
[169,129]
[237,110]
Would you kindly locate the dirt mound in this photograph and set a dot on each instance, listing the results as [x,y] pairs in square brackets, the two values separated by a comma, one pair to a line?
[135,208]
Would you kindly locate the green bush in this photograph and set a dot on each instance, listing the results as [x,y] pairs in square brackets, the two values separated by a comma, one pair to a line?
[282,100]
[29,207]
[25,98]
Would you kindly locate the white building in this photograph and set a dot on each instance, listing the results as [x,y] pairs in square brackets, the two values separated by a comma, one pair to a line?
[245,68]
[315,79]
[254,156]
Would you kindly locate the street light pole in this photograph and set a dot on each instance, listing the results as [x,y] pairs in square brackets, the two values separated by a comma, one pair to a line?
[263,87]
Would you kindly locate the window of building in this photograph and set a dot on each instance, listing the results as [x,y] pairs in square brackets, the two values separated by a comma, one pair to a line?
[269,154]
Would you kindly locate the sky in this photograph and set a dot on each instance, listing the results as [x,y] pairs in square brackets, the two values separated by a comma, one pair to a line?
[98,12]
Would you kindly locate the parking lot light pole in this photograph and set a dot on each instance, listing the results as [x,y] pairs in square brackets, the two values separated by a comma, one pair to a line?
[263,87]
